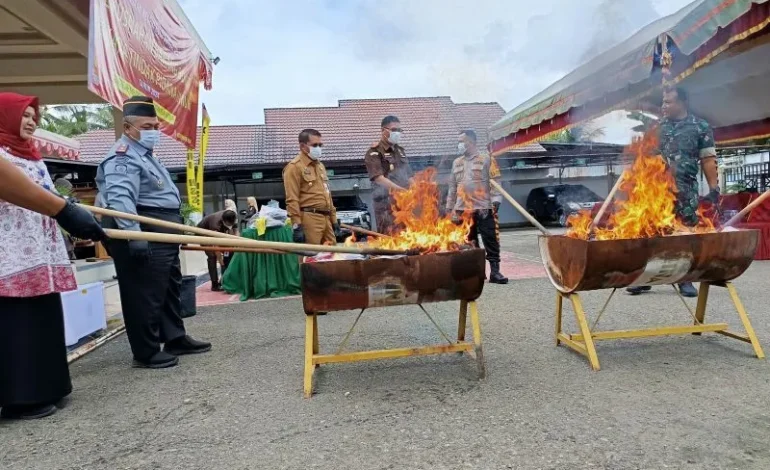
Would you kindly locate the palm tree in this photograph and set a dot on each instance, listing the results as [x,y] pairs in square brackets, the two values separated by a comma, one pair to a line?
[72,120]
[579,134]
[647,122]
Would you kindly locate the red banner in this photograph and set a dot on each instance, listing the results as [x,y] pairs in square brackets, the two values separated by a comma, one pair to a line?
[140,47]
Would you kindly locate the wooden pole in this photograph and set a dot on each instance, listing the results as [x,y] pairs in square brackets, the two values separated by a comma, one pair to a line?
[159,223]
[353,228]
[244,243]
[607,201]
[224,249]
[518,207]
[740,215]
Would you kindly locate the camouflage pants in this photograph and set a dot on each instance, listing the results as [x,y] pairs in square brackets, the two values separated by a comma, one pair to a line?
[686,208]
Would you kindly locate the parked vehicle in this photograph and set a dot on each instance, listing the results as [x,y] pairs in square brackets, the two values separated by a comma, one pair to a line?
[351,210]
[556,203]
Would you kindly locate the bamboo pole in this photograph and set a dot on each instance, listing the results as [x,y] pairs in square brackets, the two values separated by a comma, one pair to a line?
[224,249]
[518,207]
[607,201]
[740,215]
[371,233]
[159,223]
[245,243]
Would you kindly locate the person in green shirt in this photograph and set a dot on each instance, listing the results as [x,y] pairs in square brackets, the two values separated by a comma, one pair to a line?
[687,145]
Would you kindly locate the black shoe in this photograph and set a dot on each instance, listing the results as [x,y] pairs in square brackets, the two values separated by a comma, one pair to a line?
[27,412]
[216,288]
[186,345]
[638,290]
[495,277]
[688,290]
[160,360]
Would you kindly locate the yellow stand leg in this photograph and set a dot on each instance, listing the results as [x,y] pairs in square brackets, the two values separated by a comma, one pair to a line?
[311,332]
[477,340]
[580,316]
[752,336]
[559,306]
[700,309]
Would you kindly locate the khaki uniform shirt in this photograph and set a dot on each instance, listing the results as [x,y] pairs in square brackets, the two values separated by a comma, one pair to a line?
[307,186]
[469,187]
[389,162]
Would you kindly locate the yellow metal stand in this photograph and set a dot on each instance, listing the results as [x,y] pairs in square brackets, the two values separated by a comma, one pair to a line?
[583,342]
[314,359]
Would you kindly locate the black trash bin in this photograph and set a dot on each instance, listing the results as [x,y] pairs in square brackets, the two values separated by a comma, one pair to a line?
[188,296]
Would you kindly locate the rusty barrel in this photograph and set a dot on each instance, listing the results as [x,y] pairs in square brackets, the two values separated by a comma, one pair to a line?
[379,282]
[579,265]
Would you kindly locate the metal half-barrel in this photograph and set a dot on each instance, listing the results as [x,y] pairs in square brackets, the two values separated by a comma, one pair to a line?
[379,282]
[575,265]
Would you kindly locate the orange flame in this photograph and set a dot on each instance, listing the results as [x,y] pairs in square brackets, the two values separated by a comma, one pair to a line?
[417,211]
[647,207]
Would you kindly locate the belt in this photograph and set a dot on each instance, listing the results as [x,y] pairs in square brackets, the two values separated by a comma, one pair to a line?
[162,210]
[316,211]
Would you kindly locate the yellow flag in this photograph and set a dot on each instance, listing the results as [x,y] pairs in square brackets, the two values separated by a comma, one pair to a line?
[192,185]
[202,156]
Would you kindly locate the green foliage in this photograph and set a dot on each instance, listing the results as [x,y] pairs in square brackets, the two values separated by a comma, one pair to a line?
[579,134]
[72,120]
[647,122]
[186,210]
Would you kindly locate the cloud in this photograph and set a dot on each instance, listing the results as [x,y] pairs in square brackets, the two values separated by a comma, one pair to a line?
[311,53]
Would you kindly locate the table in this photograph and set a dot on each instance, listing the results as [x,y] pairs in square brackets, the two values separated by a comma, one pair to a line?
[258,275]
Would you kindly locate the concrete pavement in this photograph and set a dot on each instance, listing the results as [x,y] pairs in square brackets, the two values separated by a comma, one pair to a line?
[679,402]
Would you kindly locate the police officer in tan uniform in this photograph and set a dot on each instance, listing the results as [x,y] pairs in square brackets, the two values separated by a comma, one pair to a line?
[389,171]
[308,198]
[470,190]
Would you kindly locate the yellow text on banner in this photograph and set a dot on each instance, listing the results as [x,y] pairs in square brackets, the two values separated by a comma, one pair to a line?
[204,145]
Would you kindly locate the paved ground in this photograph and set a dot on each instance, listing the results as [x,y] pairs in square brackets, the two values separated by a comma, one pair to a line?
[679,402]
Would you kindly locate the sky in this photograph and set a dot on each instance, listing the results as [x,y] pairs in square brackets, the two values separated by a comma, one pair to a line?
[315,52]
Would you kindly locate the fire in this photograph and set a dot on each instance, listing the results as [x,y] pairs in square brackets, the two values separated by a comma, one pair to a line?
[648,208]
[417,211]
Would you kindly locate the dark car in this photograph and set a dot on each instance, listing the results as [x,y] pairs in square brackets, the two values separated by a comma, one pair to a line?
[351,210]
[556,203]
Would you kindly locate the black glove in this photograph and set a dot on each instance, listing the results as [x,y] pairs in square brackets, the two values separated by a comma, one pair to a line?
[496,206]
[713,196]
[139,249]
[79,223]
[298,235]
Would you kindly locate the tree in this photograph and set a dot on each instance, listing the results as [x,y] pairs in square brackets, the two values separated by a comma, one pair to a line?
[579,134]
[647,122]
[72,120]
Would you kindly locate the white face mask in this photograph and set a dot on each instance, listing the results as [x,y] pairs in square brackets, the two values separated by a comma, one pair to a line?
[461,148]
[315,153]
[394,138]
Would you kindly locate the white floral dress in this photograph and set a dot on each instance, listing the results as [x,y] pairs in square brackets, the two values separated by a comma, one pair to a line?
[33,259]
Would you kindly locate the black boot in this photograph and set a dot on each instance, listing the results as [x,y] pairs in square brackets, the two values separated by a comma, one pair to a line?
[160,360]
[638,290]
[495,276]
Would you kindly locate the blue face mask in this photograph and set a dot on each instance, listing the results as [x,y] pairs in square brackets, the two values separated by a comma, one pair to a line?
[148,138]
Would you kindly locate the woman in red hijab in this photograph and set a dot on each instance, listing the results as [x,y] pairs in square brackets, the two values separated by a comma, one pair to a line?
[34,270]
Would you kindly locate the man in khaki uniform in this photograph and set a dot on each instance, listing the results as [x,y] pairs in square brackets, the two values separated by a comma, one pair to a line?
[470,190]
[389,171]
[308,198]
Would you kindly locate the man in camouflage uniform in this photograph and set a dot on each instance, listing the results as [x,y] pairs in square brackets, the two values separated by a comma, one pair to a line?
[470,189]
[687,144]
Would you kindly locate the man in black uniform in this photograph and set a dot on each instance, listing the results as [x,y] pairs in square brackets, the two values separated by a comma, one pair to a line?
[132,180]
[389,171]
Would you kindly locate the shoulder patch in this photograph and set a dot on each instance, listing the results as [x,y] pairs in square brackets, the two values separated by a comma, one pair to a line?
[373,154]
[122,148]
